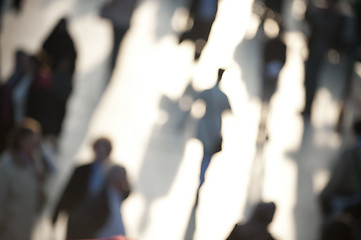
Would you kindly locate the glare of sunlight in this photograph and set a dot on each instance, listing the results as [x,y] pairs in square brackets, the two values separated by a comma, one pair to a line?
[198,108]
[358,68]
[299,9]
[94,49]
[271,28]
[320,179]
[333,56]
[252,27]
[179,20]
[132,210]
[185,103]
[326,109]
[323,138]
[163,117]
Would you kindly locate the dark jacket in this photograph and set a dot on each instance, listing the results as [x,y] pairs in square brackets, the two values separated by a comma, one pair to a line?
[76,195]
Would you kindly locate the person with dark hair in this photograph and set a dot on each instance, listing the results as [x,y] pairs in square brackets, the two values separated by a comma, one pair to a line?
[86,183]
[21,180]
[257,226]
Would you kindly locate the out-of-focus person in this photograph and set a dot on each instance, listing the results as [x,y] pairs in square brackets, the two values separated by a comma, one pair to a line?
[120,13]
[100,216]
[257,226]
[21,185]
[53,86]
[202,14]
[89,184]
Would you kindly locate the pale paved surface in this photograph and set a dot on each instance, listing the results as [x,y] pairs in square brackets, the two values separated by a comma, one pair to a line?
[139,111]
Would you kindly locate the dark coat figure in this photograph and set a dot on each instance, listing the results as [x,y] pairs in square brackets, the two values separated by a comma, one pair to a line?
[53,86]
[88,220]
[202,13]
[256,227]
[86,199]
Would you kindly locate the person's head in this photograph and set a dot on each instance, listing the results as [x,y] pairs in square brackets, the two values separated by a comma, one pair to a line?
[102,148]
[23,140]
[220,74]
[35,126]
[61,27]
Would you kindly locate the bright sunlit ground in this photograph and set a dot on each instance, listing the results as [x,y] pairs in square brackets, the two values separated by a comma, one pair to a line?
[163,162]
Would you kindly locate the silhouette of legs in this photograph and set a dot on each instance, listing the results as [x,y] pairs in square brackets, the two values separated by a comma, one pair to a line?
[118,35]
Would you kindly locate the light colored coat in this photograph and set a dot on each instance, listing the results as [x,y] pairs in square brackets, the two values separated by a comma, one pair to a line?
[19,192]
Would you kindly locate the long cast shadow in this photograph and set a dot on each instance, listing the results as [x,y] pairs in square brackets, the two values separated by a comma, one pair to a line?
[162,157]
[309,158]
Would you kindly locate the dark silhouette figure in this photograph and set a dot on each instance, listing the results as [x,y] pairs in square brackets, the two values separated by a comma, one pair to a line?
[209,133]
[325,27]
[257,226]
[53,85]
[202,14]
[120,13]
[210,125]
[274,58]
[89,183]
[351,46]
[342,194]
[98,215]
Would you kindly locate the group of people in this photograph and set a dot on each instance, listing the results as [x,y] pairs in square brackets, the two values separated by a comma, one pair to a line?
[92,197]
[33,106]
[331,27]
[40,85]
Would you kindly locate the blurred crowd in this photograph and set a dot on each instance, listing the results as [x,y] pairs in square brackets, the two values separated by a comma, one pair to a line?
[34,100]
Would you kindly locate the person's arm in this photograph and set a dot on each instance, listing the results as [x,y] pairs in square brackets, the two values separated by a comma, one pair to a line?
[124,185]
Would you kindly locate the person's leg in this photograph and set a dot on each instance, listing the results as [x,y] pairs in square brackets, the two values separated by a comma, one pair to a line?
[312,69]
[204,166]
[118,35]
